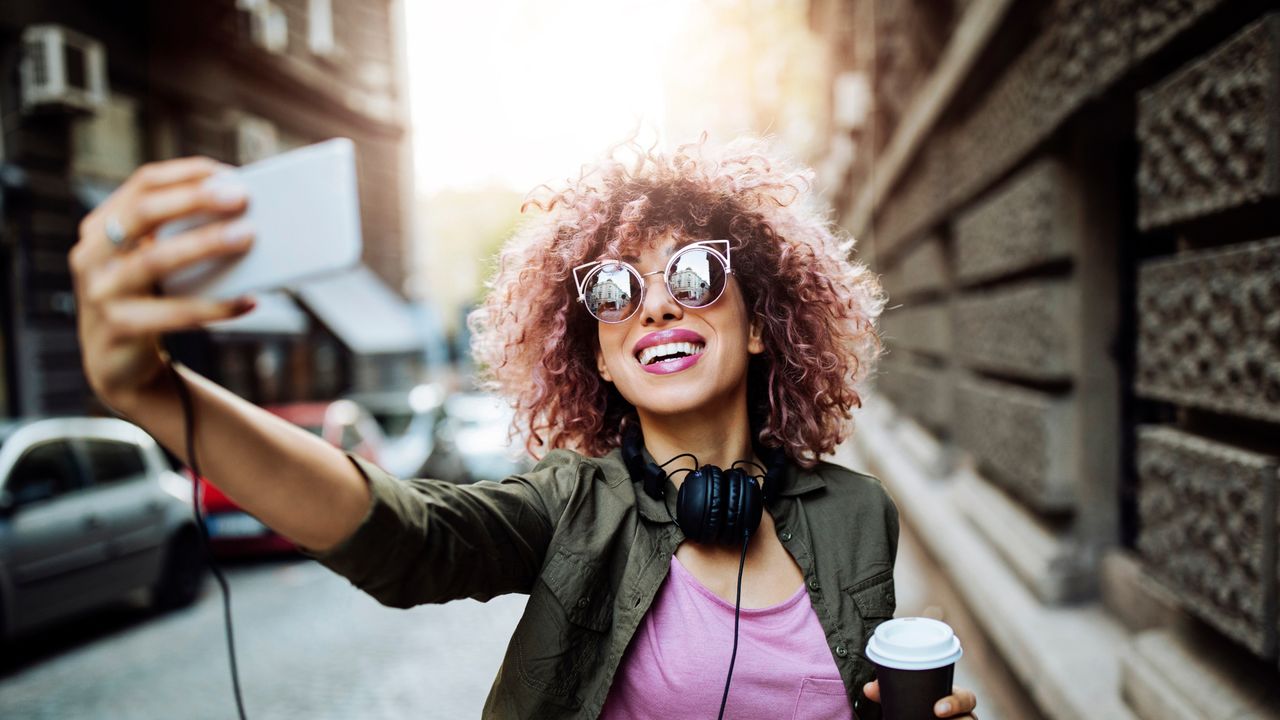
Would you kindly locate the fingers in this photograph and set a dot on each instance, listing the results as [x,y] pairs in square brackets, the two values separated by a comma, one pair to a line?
[959,702]
[140,270]
[157,207]
[153,194]
[138,317]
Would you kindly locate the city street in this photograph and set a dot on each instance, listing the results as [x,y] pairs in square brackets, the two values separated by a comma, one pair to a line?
[308,644]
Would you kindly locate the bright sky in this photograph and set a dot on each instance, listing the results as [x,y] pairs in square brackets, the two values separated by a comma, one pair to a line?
[519,93]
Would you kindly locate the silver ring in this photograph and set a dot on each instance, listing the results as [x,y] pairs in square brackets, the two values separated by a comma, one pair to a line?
[115,232]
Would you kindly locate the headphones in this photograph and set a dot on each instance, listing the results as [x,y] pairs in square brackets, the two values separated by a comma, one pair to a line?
[714,505]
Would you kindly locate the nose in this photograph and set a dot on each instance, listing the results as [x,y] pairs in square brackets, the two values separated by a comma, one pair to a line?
[659,307]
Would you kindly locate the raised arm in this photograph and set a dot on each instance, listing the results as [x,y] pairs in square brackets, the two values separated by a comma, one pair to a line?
[294,482]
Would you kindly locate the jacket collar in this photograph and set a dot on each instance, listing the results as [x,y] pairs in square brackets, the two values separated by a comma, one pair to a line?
[795,481]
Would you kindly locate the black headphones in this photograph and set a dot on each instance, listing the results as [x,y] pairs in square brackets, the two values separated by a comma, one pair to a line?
[714,505]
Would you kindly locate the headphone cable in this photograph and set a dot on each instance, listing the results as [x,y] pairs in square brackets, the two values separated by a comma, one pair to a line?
[189,418]
[737,614]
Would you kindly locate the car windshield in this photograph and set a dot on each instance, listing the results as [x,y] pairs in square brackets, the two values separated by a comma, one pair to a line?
[7,429]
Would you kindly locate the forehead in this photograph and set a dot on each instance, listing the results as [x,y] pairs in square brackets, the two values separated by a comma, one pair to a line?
[659,249]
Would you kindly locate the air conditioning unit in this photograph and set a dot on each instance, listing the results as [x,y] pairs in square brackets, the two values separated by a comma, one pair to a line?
[62,69]
[256,138]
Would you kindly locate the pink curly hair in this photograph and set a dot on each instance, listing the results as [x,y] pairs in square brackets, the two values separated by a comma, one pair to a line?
[536,344]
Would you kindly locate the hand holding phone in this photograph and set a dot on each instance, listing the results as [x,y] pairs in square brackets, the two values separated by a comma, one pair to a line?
[304,210]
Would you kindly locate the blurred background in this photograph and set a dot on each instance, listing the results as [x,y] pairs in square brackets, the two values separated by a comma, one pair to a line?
[1074,206]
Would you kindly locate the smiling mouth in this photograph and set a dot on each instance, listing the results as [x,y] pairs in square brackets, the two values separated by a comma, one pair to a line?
[669,351]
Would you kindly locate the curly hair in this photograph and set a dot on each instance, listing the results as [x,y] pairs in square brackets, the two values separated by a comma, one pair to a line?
[536,346]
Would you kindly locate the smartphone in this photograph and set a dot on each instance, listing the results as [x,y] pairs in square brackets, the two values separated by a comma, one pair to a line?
[305,212]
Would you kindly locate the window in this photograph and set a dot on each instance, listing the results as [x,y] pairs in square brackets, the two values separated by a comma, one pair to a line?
[320,27]
[44,472]
[113,462]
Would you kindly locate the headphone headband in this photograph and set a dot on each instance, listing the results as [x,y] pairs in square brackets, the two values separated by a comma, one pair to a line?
[653,478]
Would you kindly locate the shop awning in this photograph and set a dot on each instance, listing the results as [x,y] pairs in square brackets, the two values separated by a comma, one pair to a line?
[366,315]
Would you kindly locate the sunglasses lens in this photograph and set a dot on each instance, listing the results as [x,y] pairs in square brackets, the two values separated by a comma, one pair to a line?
[696,277]
[612,292]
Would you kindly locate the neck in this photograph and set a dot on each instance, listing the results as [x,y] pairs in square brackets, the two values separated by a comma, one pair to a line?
[718,438]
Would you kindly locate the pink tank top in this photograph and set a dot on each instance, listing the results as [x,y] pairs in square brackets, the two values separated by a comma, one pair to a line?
[675,665]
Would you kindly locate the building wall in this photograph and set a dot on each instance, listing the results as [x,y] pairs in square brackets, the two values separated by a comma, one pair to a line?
[202,78]
[1075,208]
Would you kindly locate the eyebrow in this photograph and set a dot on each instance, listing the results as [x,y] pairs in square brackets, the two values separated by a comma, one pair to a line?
[665,253]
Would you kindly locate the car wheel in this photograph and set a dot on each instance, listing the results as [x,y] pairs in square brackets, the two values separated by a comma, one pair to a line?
[184,571]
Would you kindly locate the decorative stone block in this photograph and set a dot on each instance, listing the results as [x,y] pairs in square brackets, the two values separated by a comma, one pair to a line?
[922,270]
[1209,330]
[1024,223]
[1209,134]
[1022,439]
[1024,330]
[1207,528]
[926,329]
[918,389]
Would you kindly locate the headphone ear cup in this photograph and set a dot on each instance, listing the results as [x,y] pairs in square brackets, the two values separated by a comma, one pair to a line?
[698,504]
[732,489]
[745,505]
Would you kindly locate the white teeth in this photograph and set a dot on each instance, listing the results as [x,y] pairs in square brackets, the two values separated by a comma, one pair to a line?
[648,354]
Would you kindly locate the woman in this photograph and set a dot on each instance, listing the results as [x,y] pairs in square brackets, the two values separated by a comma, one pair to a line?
[687,310]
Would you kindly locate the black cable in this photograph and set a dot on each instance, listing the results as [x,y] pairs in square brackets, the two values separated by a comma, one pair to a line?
[737,614]
[189,418]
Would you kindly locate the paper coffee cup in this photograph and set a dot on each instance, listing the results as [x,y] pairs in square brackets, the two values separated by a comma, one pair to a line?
[915,661]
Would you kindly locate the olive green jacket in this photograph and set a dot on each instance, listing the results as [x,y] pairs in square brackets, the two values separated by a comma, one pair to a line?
[591,549]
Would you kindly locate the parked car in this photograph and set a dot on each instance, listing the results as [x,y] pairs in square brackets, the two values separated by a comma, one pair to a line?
[408,420]
[90,513]
[476,429]
[343,423]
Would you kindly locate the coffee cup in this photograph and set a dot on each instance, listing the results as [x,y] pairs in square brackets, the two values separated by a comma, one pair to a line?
[915,661]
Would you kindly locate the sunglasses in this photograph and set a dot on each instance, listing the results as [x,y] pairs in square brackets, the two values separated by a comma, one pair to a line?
[613,290]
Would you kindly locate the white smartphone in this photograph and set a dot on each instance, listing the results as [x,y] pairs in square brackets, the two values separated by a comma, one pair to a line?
[305,212]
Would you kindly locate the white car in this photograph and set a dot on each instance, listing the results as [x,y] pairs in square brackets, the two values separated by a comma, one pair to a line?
[90,513]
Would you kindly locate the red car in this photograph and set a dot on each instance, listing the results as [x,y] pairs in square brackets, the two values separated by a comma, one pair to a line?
[234,532]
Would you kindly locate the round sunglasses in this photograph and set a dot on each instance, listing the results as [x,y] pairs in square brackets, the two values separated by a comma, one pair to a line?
[613,290]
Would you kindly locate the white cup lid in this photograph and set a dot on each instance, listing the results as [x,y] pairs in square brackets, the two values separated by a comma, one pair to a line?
[914,643]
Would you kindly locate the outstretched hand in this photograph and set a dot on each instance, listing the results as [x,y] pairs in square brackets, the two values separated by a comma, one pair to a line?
[959,704]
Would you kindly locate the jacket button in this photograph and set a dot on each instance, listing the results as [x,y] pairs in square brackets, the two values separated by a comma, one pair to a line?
[813,584]
[841,651]
[786,536]
[582,603]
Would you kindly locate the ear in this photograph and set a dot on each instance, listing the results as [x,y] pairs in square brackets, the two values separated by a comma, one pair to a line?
[755,336]
[602,367]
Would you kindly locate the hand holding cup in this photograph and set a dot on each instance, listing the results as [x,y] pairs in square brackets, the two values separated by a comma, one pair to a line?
[915,663]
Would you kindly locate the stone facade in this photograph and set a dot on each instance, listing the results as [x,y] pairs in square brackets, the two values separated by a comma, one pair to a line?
[1208,529]
[923,271]
[921,388]
[1025,330]
[1021,437]
[1023,224]
[1209,330]
[1210,134]
[925,328]
[1087,188]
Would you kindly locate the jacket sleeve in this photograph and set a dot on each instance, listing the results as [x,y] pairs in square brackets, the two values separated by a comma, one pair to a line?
[431,541]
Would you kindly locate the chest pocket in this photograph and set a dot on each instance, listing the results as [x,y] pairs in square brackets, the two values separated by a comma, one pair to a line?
[875,603]
[564,628]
